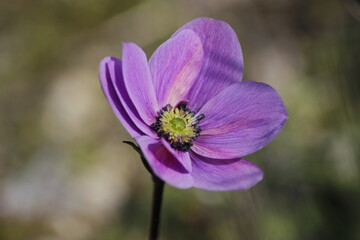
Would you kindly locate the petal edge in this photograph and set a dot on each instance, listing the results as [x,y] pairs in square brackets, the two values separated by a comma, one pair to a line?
[219,175]
[112,97]
[138,82]
[223,59]
[240,120]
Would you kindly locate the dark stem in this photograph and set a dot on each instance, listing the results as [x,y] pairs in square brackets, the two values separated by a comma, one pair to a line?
[158,190]
[156,208]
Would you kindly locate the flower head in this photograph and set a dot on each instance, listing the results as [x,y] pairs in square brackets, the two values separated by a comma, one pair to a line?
[188,110]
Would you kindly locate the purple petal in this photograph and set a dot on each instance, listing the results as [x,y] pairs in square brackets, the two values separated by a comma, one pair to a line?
[175,65]
[220,175]
[223,61]
[117,79]
[164,163]
[183,157]
[240,120]
[138,82]
[113,99]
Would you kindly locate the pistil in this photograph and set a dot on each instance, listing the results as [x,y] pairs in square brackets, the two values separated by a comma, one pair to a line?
[178,125]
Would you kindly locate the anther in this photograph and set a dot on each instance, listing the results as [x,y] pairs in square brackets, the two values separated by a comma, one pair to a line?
[154,125]
[182,105]
[197,129]
[200,117]
[167,107]
[166,135]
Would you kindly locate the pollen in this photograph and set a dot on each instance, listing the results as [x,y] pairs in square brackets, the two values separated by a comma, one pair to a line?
[178,125]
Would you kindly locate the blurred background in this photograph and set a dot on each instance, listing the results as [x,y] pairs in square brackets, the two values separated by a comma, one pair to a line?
[66,175]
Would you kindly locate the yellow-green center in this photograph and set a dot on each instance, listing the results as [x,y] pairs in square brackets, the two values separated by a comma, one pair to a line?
[178,125]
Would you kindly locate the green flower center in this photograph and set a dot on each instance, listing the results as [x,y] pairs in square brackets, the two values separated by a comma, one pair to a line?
[178,125]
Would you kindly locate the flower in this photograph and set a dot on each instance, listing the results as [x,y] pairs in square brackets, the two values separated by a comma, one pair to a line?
[188,110]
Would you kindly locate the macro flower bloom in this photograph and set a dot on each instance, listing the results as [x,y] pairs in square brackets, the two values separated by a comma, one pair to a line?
[188,110]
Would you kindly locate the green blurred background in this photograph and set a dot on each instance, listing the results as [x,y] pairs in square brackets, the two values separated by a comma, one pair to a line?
[66,175]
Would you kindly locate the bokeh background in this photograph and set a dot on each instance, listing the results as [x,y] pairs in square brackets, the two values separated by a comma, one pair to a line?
[66,175]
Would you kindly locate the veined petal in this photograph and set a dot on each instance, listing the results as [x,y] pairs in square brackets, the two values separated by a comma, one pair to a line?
[175,66]
[240,120]
[182,157]
[223,60]
[138,82]
[220,175]
[113,99]
[164,163]
[117,79]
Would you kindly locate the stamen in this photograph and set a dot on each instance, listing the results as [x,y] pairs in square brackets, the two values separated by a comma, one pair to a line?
[200,117]
[178,125]
[182,105]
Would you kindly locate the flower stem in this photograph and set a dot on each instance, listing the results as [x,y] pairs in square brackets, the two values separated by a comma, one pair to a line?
[158,190]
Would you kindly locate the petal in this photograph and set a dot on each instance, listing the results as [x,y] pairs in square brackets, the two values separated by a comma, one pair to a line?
[223,61]
[117,79]
[113,99]
[182,157]
[164,163]
[219,175]
[138,82]
[175,65]
[240,120]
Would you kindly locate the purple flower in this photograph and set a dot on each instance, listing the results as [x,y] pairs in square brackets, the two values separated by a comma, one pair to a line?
[188,110]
